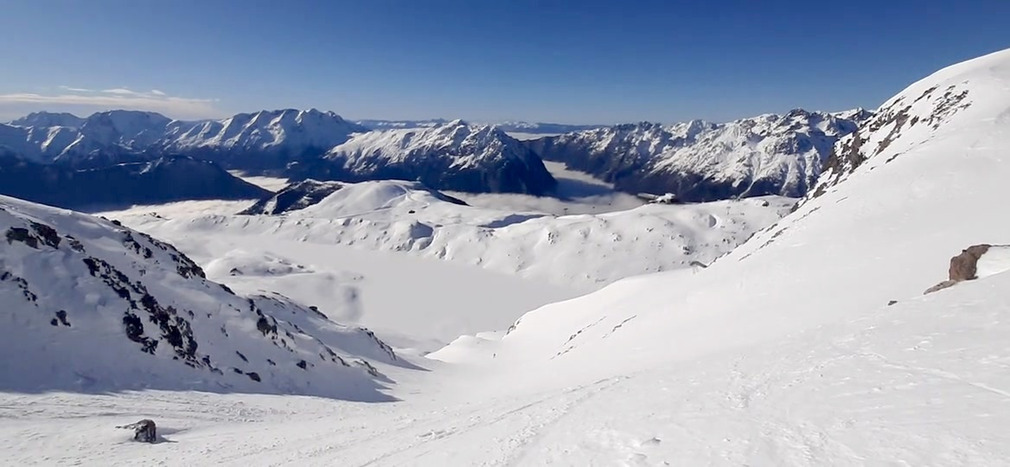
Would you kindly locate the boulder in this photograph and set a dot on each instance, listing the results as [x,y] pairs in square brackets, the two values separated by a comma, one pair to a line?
[144,431]
[963,267]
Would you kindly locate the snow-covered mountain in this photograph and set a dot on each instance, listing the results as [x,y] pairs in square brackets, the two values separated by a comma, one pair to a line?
[812,343]
[265,139]
[400,124]
[407,217]
[299,144]
[261,140]
[146,182]
[92,306]
[293,197]
[508,126]
[453,156]
[702,161]
[49,119]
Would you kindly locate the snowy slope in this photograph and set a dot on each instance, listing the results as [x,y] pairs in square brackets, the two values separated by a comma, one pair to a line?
[581,250]
[452,156]
[293,197]
[91,306]
[785,350]
[700,161]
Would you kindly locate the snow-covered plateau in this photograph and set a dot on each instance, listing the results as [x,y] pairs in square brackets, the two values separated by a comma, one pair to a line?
[810,343]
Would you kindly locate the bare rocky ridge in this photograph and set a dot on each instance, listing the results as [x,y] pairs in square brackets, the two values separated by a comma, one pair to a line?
[96,306]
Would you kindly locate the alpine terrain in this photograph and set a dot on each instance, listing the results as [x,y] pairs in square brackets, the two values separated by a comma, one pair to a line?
[802,289]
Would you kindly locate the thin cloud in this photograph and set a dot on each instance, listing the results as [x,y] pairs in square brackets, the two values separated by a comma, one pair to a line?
[120,91]
[83,100]
[68,88]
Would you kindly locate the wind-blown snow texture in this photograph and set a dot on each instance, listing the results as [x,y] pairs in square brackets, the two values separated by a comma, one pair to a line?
[701,161]
[91,306]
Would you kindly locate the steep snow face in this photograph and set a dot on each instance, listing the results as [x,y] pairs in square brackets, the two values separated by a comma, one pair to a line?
[885,232]
[91,306]
[585,251]
[923,112]
[701,161]
[453,156]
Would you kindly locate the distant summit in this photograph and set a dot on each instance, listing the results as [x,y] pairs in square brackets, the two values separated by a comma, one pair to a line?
[702,161]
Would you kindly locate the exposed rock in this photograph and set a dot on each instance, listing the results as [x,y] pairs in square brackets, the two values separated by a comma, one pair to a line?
[964,266]
[144,431]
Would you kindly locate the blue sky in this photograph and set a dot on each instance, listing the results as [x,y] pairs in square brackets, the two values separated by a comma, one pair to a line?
[585,61]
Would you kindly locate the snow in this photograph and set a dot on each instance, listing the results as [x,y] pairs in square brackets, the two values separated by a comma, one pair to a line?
[698,160]
[182,332]
[994,261]
[785,351]
[405,217]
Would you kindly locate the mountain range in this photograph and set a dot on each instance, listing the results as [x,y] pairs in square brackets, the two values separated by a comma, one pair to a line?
[703,161]
[696,160]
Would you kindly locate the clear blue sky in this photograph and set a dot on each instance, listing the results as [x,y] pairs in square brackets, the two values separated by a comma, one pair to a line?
[589,61]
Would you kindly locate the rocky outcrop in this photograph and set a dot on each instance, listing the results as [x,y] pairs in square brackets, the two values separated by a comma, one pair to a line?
[963,267]
[900,123]
[293,197]
[91,305]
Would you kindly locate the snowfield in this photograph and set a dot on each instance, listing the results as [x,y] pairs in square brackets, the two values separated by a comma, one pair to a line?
[809,344]
[421,270]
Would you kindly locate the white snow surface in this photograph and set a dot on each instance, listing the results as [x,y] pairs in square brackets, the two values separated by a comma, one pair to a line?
[575,250]
[995,260]
[783,352]
[74,286]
